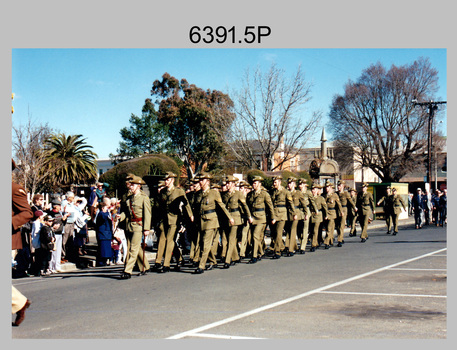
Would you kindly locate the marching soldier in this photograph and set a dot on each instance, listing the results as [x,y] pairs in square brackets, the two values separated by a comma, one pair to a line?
[347,204]
[299,203]
[172,200]
[245,232]
[303,224]
[261,207]
[284,206]
[365,208]
[206,218]
[136,211]
[235,202]
[318,212]
[352,214]
[334,210]
[191,194]
[397,204]
[388,208]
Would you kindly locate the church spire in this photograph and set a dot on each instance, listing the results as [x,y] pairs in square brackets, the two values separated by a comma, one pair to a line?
[323,145]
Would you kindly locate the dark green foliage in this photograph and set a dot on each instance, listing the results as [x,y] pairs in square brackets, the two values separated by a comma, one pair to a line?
[150,168]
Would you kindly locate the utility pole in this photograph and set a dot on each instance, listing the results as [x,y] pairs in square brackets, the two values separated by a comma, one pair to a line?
[432,107]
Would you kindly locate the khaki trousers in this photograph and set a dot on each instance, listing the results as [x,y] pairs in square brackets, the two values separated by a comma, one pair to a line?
[135,252]
[277,243]
[230,236]
[170,246]
[207,239]
[303,233]
[245,245]
[364,223]
[330,231]
[258,232]
[291,235]
[314,229]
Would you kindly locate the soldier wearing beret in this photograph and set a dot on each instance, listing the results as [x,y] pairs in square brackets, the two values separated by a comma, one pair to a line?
[346,204]
[136,212]
[284,207]
[207,202]
[318,213]
[397,205]
[172,203]
[388,208]
[235,201]
[365,209]
[261,208]
[334,210]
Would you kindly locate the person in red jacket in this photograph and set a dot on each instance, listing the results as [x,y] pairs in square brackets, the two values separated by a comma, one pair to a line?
[21,213]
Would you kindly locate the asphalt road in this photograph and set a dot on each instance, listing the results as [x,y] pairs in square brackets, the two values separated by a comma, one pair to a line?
[390,287]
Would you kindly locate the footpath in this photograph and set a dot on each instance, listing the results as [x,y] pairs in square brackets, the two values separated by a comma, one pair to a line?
[91,248]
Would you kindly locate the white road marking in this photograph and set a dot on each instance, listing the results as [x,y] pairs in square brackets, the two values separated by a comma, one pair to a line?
[192,332]
[405,269]
[220,336]
[389,294]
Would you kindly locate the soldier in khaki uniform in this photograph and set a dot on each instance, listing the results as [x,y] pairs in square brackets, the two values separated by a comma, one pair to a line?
[352,213]
[299,203]
[136,211]
[388,208]
[284,207]
[347,204]
[207,202]
[397,204]
[365,208]
[261,208]
[334,210]
[191,194]
[235,202]
[318,212]
[245,232]
[303,224]
[172,204]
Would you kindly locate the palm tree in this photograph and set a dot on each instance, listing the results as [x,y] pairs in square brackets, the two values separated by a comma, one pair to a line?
[71,159]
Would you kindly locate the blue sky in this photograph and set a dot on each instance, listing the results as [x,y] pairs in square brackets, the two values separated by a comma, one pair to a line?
[93,92]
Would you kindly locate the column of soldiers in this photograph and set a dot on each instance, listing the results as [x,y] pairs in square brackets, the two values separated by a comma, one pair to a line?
[229,220]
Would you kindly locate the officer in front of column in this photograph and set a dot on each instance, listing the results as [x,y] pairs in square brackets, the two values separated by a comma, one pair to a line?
[388,208]
[136,211]
[365,209]
[397,204]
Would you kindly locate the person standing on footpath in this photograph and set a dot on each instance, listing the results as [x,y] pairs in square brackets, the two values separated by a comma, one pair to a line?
[136,211]
[318,213]
[171,200]
[397,203]
[261,208]
[334,211]
[207,202]
[284,206]
[69,208]
[418,207]
[235,202]
[365,209]
[443,208]
[21,214]
[388,208]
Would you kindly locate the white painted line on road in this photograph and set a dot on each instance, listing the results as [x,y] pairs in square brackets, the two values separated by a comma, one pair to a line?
[219,336]
[388,294]
[192,332]
[406,269]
